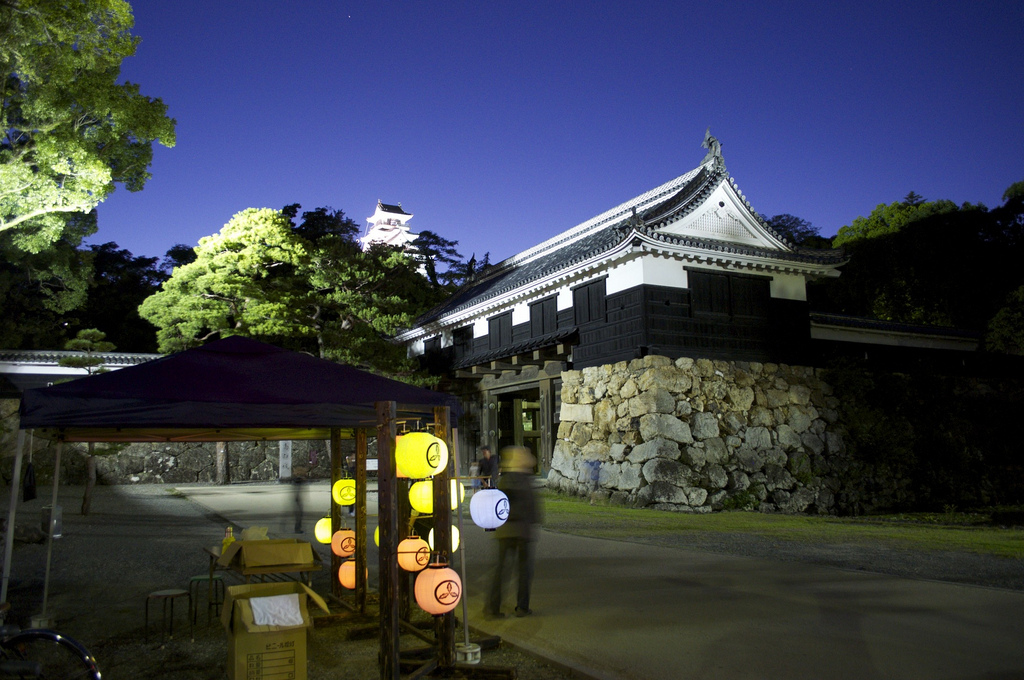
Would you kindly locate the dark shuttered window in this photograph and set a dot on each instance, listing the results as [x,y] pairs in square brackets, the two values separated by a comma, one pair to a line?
[499,331]
[543,318]
[588,302]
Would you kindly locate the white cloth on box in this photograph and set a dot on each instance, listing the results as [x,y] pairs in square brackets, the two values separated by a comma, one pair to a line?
[276,610]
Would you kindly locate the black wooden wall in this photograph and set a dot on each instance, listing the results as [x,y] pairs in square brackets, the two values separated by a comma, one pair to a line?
[721,315]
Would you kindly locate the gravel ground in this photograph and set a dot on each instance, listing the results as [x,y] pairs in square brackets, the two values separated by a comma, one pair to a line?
[134,541]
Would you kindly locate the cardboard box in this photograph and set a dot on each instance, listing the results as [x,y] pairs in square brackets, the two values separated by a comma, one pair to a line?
[283,552]
[266,652]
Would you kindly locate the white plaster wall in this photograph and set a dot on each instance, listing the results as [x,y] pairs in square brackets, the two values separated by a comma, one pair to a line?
[789,287]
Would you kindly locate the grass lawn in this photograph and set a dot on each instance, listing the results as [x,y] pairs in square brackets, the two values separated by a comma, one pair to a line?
[954,531]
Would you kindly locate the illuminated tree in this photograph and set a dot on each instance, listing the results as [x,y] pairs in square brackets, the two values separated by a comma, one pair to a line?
[71,132]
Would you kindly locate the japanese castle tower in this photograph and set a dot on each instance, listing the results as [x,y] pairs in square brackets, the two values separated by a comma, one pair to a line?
[389,224]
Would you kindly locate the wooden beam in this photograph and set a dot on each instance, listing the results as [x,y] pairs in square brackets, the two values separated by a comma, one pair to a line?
[502,366]
[336,466]
[387,476]
[469,375]
[443,538]
[484,370]
[361,451]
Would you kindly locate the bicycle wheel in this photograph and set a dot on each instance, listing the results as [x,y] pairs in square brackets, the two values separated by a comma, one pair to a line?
[60,657]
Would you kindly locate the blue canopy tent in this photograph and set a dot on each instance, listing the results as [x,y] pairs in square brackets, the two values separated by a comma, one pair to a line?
[238,389]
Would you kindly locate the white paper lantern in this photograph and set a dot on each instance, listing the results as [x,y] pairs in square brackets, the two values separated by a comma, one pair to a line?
[455,538]
[489,508]
[438,589]
[413,554]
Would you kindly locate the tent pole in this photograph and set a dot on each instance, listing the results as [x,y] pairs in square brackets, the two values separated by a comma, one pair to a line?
[387,478]
[9,536]
[49,539]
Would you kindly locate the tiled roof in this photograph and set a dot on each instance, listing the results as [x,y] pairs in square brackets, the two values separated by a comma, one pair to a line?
[864,323]
[654,209]
[396,209]
[51,357]
[526,346]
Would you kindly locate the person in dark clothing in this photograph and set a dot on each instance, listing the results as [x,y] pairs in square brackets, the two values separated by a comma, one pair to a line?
[488,468]
[518,535]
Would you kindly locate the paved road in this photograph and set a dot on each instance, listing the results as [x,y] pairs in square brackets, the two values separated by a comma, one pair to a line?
[625,611]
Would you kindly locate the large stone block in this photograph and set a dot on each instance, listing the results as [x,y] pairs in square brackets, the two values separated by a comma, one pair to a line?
[749,459]
[653,401]
[812,442]
[665,470]
[788,439]
[715,450]
[629,477]
[665,377]
[660,492]
[581,434]
[741,398]
[580,413]
[695,497]
[664,426]
[705,425]
[717,477]
[662,448]
[758,438]
[799,394]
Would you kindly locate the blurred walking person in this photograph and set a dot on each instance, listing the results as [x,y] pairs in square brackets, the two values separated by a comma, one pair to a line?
[518,535]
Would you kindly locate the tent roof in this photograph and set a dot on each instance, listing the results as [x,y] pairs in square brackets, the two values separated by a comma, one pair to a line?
[230,389]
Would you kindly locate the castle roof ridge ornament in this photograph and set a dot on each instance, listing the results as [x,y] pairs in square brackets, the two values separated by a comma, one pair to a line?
[714,147]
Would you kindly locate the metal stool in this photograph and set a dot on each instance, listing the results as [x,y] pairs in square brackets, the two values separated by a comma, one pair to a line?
[165,596]
[214,594]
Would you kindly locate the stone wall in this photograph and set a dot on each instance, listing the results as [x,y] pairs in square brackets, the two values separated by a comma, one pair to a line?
[700,435]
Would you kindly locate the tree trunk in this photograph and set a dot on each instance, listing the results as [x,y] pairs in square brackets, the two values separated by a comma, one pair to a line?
[90,479]
[222,463]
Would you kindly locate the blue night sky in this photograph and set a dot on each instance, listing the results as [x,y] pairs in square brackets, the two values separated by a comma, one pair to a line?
[499,124]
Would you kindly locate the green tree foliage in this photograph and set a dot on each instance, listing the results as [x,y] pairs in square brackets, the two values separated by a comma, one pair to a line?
[946,267]
[119,283]
[307,286]
[91,342]
[798,231]
[1006,329]
[240,283]
[891,218]
[437,255]
[71,132]
[930,440]
[38,290]
[176,256]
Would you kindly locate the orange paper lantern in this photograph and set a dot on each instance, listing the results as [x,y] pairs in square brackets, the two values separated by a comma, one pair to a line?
[413,554]
[347,574]
[343,543]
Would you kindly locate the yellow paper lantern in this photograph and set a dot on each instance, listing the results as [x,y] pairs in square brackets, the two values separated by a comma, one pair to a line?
[489,509]
[376,537]
[413,554]
[421,497]
[455,538]
[457,493]
[420,455]
[322,530]
[343,543]
[347,574]
[438,589]
[344,492]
